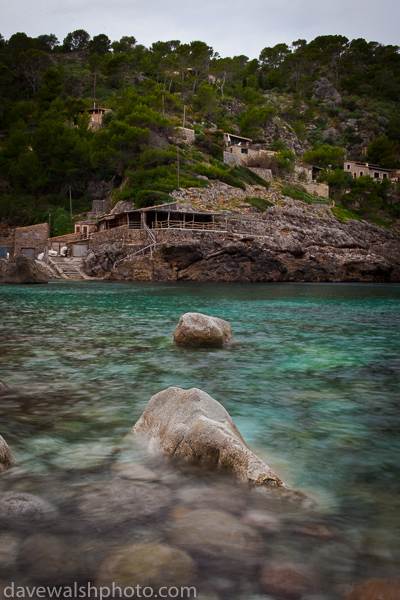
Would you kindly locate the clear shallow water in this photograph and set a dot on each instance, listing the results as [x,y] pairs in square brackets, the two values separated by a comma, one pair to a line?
[312,383]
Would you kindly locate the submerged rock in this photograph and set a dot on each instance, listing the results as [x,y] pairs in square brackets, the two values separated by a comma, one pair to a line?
[47,558]
[216,534]
[376,589]
[21,269]
[3,386]
[135,471]
[153,565]
[195,329]
[190,425]
[122,501]
[19,506]
[287,581]
[9,551]
[6,458]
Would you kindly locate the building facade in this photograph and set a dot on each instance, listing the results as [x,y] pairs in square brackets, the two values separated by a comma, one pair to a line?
[358,169]
[31,240]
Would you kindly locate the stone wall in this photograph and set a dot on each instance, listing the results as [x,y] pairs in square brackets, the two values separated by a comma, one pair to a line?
[317,189]
[264,173]
[31,240]
[185,134]
[232,159]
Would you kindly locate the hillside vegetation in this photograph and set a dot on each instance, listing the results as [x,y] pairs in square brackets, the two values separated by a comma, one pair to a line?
[318,101]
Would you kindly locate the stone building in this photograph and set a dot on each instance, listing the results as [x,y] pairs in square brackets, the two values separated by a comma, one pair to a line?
[31,240]
[358,169]
[85,227]
[239,149]
[96,116]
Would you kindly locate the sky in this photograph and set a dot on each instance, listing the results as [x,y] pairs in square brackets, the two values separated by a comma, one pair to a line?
[231,27]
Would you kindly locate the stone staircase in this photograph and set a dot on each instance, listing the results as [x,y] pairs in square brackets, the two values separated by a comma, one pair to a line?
[68,268]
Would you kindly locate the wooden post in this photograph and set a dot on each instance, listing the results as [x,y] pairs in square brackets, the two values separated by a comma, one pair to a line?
[178,164]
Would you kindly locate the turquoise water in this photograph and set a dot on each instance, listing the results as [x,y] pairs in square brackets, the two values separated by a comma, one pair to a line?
[312,382]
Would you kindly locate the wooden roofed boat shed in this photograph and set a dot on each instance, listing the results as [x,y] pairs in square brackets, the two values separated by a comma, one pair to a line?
[164,216]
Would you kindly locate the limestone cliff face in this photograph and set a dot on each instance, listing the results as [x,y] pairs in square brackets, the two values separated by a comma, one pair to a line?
[286,245]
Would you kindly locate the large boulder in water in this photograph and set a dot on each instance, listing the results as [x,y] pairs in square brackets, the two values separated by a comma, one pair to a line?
[6,458]
[195,329]
[21,269]
[190,425]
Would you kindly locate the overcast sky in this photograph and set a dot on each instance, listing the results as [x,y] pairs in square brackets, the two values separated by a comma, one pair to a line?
[231,27]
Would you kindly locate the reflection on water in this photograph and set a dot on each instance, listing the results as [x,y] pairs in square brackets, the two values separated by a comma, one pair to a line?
[313,385]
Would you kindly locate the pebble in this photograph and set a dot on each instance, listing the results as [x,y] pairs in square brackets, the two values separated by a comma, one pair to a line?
[135,471]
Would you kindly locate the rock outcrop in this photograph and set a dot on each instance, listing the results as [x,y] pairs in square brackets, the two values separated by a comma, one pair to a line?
[21,269]
[291,243]
[196,329]
[6,458]
[324,90]
[192,426]
[101,261]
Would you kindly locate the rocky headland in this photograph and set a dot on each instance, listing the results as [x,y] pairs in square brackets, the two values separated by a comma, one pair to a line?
[290,241]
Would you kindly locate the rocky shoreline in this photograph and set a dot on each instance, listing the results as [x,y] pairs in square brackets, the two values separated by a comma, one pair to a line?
[292,244]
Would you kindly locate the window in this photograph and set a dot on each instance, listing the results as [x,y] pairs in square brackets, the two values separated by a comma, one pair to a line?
[385,176]
[37,236]
[361,173]
[25,236]
[376,175]
[245,151]
[348,166]
[355,175]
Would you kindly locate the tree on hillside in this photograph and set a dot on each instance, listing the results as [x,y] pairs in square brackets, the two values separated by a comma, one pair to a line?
[383,152]
[125,45]
[100,44]
[33,64]
[272,58]
[77,40]
[253,119]
[200,57]
[50,89]
[325,156]
[47,43]
[115,148]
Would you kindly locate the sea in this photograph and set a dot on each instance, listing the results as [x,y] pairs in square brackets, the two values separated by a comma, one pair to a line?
[312,382]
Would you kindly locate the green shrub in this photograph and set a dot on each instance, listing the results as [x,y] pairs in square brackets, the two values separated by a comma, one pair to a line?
[213,172]
[248,176]
[61,222]
[343,214]
[297,192]
[260,203]
[381,222]
[151,198]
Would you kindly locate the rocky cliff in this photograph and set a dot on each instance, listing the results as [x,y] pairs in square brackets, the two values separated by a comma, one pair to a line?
[290,243]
